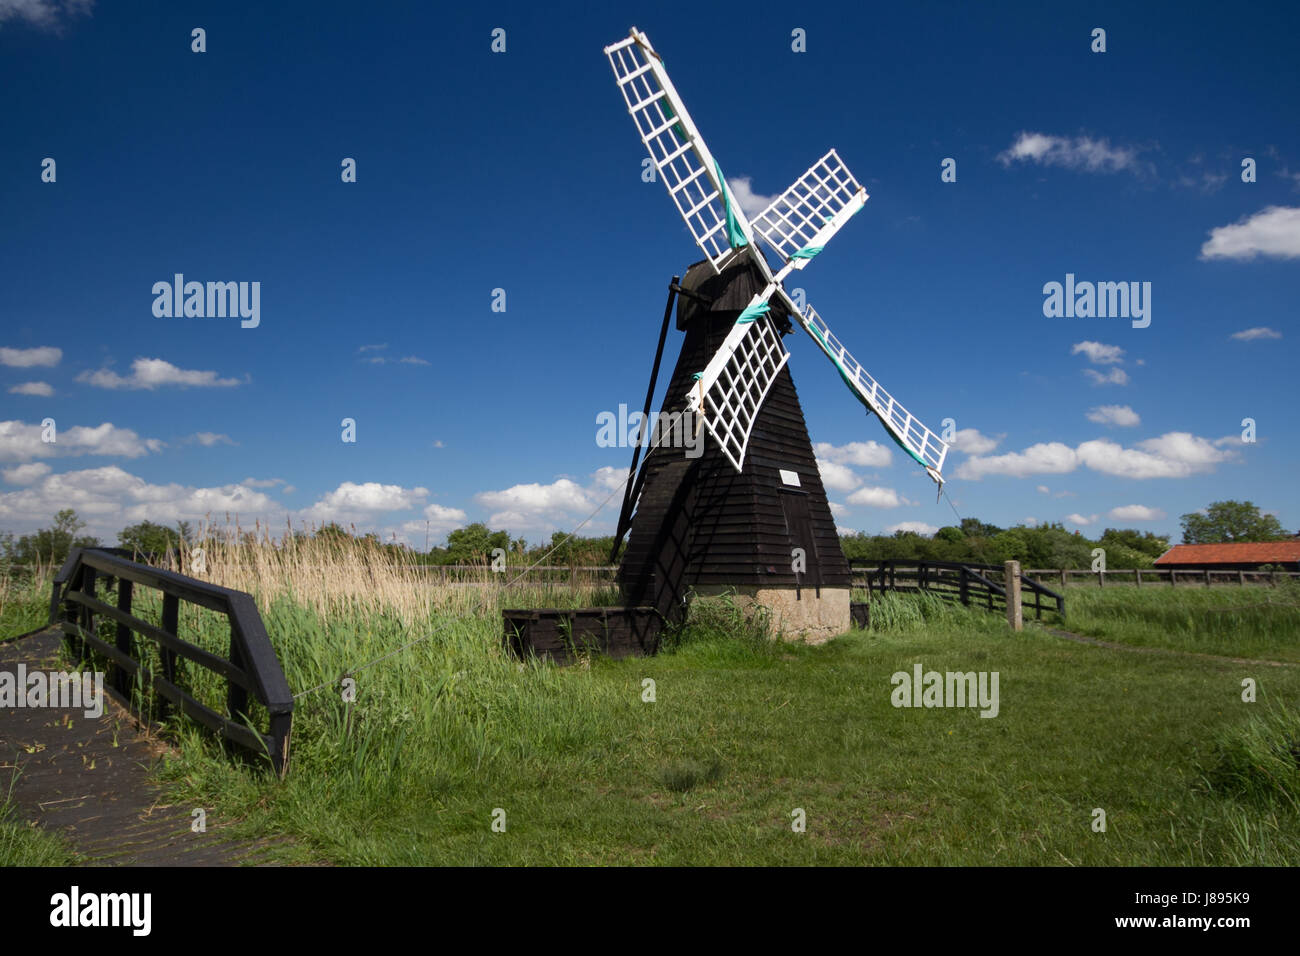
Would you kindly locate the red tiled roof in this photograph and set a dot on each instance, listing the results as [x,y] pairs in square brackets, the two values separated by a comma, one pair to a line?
[1233,552]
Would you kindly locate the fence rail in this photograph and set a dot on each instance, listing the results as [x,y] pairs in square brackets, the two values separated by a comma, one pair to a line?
[1154,576]
[250,668]
[968,584]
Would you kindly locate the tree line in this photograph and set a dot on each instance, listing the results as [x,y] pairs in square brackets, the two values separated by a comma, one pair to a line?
[1038,546]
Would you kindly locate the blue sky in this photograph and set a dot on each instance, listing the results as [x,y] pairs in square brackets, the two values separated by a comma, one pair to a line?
[521,171]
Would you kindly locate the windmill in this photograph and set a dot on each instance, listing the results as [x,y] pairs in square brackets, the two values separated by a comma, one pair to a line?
[750,515]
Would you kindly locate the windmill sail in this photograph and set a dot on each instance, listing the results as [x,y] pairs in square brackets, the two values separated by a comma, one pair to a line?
[680,156]
[801,220]
[923,445]
[732,387]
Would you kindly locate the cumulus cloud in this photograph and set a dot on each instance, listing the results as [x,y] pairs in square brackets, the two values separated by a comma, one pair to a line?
[1172,455]
[1135,513]
[917,527]
[1048,458]
[22,442]
[1119,415]
[39,389]
[971,442]
[1272,232]
[836,477]
[352,501]
[147,373]
[863,454]
[25,474]
[1080,519]
[1116,376]
[45,356]
[1258,332]
[48,15]
[1080,153]
[208,439]
[877,498]
[1098,353]
[109,497]
[750,202]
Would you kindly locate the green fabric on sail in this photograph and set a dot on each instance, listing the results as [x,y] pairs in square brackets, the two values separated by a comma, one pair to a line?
[735,235]
[677,127]
[753,312]
[853,388]
[807,252]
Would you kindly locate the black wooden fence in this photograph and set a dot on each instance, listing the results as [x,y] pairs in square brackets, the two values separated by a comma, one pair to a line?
[969,584]
[251,666]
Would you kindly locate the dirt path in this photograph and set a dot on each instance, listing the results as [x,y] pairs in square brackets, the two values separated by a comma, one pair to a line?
[89,777]
[1097,642]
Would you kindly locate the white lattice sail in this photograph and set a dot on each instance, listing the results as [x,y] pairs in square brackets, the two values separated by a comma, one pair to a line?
[733,386]
[801,220]
[923,445]
[680,156]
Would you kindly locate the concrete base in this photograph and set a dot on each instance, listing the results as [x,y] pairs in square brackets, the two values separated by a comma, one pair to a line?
[796,614]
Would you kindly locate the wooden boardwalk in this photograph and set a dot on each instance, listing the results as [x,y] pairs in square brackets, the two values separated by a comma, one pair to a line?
[90,779]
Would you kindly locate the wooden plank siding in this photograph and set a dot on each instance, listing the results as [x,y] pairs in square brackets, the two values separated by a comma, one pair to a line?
[701,521]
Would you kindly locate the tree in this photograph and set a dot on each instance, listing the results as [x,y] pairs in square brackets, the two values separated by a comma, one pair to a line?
[1230,521]
[475,543]
[52,545]
[149,538]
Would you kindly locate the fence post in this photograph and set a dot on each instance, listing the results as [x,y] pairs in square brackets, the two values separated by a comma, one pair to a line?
[123,680]
[1014,617]
[1241,578]
[1062,577]
[965,587]
[1138,572]
[1207,577]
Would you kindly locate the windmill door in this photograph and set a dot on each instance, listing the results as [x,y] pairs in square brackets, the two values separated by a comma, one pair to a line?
[798,524]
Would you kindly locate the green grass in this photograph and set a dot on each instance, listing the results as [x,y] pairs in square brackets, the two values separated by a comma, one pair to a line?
[744,731]
[1254,621]
[23,844]
[741,734]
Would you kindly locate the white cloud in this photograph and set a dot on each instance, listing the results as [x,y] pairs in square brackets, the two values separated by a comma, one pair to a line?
[877,498]
[1098,353]
[22,442]
[971,442]
[152,373]
[44,356]
[918,527]
[1135,513]
[358,501]
[1050,458]
[109,498]
[26,474]
[373,348]
[1119,415]
[1116,376]
[40,389]
[1273,231]
[541,508]
[1080,519]
[44,14]
[1258,332]
[1172,455]
[1078,153]
[442,518]
[837,477]
[609,477]
[750,202]
[1043,490]
[208,439]
[864,454]
[261,482]
[838,510]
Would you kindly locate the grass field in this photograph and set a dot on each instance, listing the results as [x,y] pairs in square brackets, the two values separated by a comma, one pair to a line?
[744,732]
